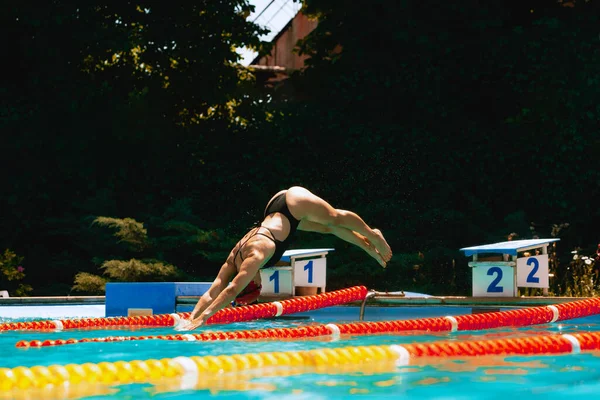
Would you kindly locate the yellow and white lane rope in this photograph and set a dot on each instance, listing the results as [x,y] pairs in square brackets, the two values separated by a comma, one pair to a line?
[190,369]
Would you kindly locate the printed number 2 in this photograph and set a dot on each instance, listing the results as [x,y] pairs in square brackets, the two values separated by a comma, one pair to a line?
[309,267]
[531,278]
[275,279]
[493,288]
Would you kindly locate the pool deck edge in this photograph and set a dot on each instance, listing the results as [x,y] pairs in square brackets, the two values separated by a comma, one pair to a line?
[460,301]
[54,300]
[379,300]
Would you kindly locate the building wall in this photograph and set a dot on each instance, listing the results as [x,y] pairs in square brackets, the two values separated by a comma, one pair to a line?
[282,54]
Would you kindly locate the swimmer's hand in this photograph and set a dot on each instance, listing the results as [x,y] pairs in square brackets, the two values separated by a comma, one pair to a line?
[191,325]
[183,324]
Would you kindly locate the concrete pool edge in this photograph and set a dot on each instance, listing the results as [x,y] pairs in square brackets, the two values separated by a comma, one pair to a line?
[390,300]
[52,300]
[476,301]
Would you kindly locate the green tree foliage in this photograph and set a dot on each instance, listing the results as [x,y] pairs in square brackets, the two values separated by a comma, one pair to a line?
[132,233]
[450,124]
[445,124]
[128,231]
[138,271]
[89,284]
[11,273]
[135,236]
[580,277]
[176,233]
[111,109]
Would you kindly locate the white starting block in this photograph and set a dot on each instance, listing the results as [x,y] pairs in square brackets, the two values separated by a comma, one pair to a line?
[306,268]
[4,293]
[509,267]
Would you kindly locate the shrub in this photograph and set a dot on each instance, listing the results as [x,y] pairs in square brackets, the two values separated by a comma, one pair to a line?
[137,271]
[11,271]
[134,234]
[89,284]
[128,230]
[581,279]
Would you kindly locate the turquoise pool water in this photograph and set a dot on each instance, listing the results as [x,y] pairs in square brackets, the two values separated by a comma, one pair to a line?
[489,377]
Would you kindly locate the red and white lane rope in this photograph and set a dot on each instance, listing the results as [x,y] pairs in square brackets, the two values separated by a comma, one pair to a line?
[227,315]
[514,318]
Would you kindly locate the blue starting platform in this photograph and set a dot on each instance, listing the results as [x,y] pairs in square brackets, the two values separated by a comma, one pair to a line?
[499,269]
[148,298]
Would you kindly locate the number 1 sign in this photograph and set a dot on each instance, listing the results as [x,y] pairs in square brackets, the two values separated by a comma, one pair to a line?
[493,280]
[310,272]
[276,280]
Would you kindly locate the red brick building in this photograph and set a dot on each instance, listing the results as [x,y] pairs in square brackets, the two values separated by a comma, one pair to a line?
[282,54]
[275,67]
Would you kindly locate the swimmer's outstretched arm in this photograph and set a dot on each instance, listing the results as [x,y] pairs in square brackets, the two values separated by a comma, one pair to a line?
[253,260]
[219,284]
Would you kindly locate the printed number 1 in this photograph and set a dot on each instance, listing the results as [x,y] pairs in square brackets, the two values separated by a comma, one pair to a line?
[493,288]
[275,279]
[309,267]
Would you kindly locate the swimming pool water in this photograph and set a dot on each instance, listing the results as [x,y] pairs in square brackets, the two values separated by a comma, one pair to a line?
[488,377]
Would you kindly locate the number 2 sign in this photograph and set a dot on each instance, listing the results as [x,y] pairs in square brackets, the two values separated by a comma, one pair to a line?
[533,271]
[493,280]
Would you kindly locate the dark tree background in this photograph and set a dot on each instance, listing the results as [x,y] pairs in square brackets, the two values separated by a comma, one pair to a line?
[445,124]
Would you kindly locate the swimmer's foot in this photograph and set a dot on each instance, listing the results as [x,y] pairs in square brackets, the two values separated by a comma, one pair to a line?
[382,246]
[372,251]
[378,257]
[380,260]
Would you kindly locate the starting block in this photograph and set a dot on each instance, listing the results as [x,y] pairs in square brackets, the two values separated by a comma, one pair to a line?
[297,268]
[508,266]
[148,298]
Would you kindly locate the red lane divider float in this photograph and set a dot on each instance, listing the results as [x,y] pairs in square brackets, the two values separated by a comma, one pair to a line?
[515,318]
[226,315]
[546,344]
[527,316]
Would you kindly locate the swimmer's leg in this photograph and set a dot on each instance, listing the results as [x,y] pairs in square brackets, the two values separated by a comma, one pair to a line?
[306,206]
[345,234]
